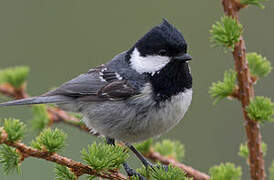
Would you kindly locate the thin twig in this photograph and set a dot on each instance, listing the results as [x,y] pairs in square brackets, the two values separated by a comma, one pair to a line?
[57,115]
[235,94]
[246,92]
[10,91]
[76,167]
[190,172]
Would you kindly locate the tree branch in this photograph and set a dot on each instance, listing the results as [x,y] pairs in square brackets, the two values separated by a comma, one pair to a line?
[246,92]
[190,172]
[76,167]
[10,91]
[236,93]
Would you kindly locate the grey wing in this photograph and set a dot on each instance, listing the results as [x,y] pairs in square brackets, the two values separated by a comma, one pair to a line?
[99,84]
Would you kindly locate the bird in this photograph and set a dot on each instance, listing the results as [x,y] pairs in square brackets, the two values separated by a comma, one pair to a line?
[141,93]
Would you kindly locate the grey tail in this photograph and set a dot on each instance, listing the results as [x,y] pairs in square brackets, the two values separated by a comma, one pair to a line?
[38,100]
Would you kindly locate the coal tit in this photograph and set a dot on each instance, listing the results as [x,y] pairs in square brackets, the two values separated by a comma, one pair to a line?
[141,93]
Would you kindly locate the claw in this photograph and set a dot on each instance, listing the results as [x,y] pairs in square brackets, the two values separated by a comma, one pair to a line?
[145,162]
[153,166]
[165,167]
[131,172]
[140,176]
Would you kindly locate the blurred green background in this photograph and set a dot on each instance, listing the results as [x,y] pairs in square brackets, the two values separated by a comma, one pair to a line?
[60,39]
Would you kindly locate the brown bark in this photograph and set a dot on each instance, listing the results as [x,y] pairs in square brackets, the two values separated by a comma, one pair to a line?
[190,172]
[12,92]
[76,167]
[245,93]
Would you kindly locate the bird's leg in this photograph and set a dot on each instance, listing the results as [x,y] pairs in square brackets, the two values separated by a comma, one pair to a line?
[110,141]
[145,162]
[130,172]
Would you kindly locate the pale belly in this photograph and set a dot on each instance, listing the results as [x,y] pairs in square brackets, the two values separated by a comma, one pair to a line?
[136,119]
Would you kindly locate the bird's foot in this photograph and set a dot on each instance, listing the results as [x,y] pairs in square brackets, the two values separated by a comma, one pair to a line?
[131,172]
[148,164]
[145,162]
[158,166]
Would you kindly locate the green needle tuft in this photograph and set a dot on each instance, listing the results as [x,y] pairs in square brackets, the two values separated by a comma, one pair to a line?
[226,171]
[9,159]
[15,129]
[40,117]
[254,2]
[104,157]
[50,140]
[173,173]
[173,149]
[15,76]
[259,66]
[261,109]
[63,173]
[144,147]
[226,32]
[225,88]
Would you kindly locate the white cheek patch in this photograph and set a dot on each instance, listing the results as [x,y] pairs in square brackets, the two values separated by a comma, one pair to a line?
[148,64]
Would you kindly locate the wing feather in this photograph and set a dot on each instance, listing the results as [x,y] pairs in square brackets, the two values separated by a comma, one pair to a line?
[99,84]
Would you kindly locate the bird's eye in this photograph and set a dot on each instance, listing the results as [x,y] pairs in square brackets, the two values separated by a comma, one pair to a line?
[163,52]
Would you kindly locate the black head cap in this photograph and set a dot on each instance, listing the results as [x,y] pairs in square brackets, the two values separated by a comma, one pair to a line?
[163,39]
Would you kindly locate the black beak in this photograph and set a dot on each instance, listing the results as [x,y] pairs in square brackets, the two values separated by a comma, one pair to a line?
[185,57]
